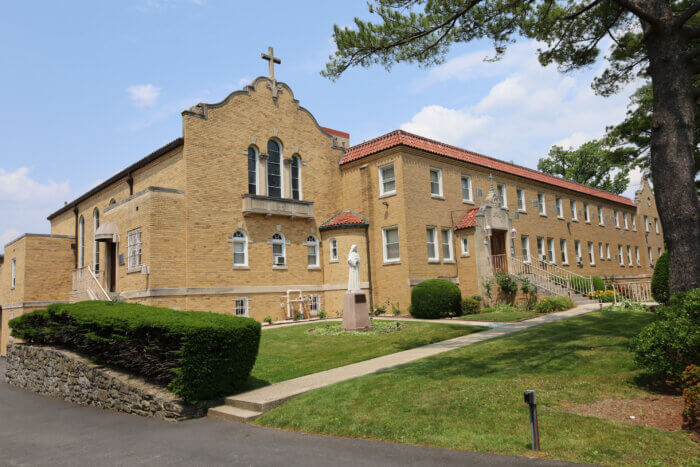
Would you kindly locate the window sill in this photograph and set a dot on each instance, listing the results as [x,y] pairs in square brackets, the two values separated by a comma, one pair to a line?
[241,267]
[574,220]
[543,215]
[560,218]
[333,261]
[391,262]
[387,195]
[448,261]
[134,270]
[434,261]
[313,268]
[587,222]
[563,264]
[465,255]
[467,201]
[281,268]
[522,211]
[440,197]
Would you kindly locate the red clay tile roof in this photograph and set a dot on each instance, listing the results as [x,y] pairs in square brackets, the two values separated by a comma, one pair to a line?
[469,219]
[344,219]
[403,138]
[336,132]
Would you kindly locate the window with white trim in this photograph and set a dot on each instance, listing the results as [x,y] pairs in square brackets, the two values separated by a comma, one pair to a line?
[616,213]
[626,221]
[601,219]
[13,280]
[577,249]
[591,254]
[540,249]
[387,180]
[81,242]
[634,222]
[560,208]
[629,255]
[279,250]
[435,182]
[564,252]
[134,248]
[646,223]
[656,224]
[314,304]
[621,255]
[636,254]
[252,171]
[660,252]
[651,258]
[525,247]
[274,169]
[390,240]
[446,237]
[465,245]
[607,251]
[574,211]
[95,243]
[550,241]
[542,204]
[467,194]
[601,251]
[311,251]
[522,205]
[295,177]
[240,248]
[431,239]
[334,249]
[501,190]
[241,305]
[586,213]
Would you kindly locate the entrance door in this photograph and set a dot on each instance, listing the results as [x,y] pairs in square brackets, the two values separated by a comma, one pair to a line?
[498,251]
[111,266]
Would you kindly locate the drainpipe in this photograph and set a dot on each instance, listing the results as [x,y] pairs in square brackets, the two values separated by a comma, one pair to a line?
[369,270]
[75,252]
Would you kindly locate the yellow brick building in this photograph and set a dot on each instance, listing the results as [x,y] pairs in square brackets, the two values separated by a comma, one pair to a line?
[254,209]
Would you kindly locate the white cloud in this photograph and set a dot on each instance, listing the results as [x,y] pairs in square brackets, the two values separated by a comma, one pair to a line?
[575,140]
[635,182]
[7,236]
[444,124]
[143,95]
[18,186]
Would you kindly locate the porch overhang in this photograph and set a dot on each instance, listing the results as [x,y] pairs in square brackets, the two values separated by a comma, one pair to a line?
[107,232]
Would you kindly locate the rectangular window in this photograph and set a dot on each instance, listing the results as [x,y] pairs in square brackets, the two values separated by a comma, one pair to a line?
[134,248]
[431,234]
[602,252]
[239,252]
[501,190]
[564,252]
[312,255]
[560,208]
[591,254]
[390,237]
[334,249]
[447,245]
[435,182]
[525,246]
[542,204]
[465,245]
[626,220]
[656,225]
[586,213]
[574,213]
[540,249]
[467,194]
[651,258]
[241,306]
[314,304]
[646,224]
[617,218]
[634,222]
[601,220]
[621,255]
[521,200]
[660,252]
[629,255]
[636,255]
[579,256]
[550,241]
[14,273]
[607,251]
[387,180]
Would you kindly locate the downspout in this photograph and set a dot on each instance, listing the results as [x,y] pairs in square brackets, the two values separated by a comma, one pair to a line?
[369,270]
[75,252]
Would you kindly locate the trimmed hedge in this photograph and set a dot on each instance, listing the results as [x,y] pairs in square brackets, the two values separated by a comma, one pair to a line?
[436,298]
[598,283]
[659,279]
[550,304]
[471,306]
[197,355]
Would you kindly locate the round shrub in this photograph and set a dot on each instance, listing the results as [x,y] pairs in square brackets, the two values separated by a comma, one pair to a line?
[435,298]
[659,280]
[598,283]
[470,306]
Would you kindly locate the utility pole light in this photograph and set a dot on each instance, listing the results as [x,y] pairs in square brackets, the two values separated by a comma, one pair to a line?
[531,401]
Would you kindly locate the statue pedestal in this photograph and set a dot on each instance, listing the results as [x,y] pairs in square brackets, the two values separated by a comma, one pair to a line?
[355,312]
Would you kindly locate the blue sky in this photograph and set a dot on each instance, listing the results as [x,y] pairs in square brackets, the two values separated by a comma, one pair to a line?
[90,87]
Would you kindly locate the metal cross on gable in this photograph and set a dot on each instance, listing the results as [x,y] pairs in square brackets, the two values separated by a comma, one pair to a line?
[270,57]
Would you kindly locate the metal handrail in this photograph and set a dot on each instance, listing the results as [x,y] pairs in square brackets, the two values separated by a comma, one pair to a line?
[84,280]
[639,291]
[542,277]
[568,279]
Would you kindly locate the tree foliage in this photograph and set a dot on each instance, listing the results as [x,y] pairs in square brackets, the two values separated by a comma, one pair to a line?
[591,164]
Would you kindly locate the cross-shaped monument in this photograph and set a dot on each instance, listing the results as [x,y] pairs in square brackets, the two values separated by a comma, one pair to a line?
[270,57]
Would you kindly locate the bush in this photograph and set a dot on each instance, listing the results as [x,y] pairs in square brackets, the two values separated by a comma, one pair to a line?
[550,304]
[667,346]
[197,355]
[471,306]
[598,283]
[507,283]
[435,298]
[690,384]
[605,296]
[530,290]
[659,280]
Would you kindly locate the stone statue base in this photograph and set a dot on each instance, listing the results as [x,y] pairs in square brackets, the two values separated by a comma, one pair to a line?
[355,312]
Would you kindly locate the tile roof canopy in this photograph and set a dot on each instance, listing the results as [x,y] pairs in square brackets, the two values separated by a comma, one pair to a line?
[403,138]
[336,132]
[469,219]
[344,219]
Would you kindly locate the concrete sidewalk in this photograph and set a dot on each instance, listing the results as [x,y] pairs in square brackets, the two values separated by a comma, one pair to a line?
[250,405]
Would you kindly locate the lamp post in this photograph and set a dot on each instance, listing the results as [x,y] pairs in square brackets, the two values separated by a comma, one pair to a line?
[531,401]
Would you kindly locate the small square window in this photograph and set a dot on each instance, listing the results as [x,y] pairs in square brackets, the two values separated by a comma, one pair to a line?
[241,306]
[387,180]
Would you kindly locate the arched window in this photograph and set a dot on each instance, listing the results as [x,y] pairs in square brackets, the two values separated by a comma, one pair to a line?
[81,242]
[274,172]
[96,245]
[312,251]
[112,202]
[278,250]
[240,248]
[296,177]
[252,170]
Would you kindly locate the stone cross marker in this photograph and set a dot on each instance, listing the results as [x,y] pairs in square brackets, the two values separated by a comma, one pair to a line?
[270,57]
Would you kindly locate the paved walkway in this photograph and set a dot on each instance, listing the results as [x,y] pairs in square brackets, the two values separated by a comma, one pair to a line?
[250,405]
[37,430]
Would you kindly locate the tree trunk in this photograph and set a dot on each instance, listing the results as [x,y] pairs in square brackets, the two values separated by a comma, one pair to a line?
[672,161]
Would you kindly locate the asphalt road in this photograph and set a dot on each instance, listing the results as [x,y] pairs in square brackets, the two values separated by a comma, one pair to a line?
[36,430]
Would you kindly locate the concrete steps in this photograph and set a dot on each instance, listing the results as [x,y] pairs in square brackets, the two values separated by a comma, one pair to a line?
[230,413]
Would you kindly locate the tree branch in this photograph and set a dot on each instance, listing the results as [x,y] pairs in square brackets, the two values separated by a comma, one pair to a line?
[581,11]
[688,13]
[644,14]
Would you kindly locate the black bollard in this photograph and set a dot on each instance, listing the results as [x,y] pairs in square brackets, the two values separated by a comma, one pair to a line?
[531,401]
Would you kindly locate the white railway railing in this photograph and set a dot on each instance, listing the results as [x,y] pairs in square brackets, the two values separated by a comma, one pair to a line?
[84,280]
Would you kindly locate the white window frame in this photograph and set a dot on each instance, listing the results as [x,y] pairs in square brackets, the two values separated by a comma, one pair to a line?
[256,168]
[470,191]
[607,252]
[601,217]
[559,203]
[574,211]
[634,222]
[591,254]
[564,250]
[238,241]
[81,242]
[291,173]
[385,251]
[625,219]
[383,181]
[267,168]
[621,253]
[314,304]
[241,306]
[577,250]
[551,251]
[542,202]
[629,255]
[279,241]
[636,254]
[646,223]
[95,243]
[525,247]
[586,213]
[616,213]
[333,250]
[601,251]
[656,225]
[522,203]
[450,247]
[650,252]
[464,241]
[312,249]
[134,248]
[504,198]
[437,171]
[541,248]
[13,280]
[431,231]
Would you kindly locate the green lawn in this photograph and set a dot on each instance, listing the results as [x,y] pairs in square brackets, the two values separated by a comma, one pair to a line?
[472,398]
[290,352]
[501,316]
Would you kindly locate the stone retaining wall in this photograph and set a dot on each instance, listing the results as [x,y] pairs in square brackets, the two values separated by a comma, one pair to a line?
[71,377]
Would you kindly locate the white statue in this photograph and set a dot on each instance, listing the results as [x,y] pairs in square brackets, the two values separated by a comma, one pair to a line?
[354,270]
